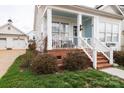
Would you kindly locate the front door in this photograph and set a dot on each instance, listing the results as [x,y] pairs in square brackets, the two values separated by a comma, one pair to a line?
[75,35]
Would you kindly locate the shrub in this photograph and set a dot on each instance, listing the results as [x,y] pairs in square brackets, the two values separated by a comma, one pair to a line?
[27,58]
[76,61]
[119,57]
[44,64]
[32,46]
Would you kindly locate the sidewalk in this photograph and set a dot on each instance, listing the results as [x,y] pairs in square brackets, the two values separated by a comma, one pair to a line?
[114,71]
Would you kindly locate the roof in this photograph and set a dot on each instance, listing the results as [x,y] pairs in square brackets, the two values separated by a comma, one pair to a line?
[92,11]
[81,9]
[120,8]
[9,32]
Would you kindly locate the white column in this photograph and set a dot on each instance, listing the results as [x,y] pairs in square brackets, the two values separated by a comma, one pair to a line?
[94,58]
[111,56]
[49,29]
[94,35]
[79,22]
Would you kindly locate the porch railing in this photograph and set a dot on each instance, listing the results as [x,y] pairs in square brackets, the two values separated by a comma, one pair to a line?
[92,46]
[64,42]
[106,51]
[88,49]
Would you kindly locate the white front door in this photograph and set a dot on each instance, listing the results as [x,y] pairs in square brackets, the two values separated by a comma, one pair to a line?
[3,43]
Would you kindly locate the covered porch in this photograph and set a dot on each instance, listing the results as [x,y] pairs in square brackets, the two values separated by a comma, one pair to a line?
[64,29]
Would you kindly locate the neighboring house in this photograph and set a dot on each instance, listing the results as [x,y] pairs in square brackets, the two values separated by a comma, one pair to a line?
[60,28]
[118,10]
[12,38]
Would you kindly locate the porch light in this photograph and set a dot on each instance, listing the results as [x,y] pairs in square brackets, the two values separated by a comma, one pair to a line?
[81,27]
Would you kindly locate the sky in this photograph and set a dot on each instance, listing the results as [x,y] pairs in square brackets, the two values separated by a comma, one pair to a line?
[21,15]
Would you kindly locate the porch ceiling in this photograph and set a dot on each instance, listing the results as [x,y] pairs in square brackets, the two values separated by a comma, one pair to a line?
[63,13]
[66,14]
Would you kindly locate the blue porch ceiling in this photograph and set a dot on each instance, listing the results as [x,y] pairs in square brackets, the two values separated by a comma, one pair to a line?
[67,14]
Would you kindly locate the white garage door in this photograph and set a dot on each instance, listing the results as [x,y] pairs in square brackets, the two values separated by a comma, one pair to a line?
[19,43]
[3,43]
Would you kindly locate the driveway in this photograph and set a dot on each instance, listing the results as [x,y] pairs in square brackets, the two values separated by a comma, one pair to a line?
[7,57]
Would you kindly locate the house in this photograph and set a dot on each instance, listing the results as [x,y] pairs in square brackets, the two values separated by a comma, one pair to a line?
[118,10]
[12,38]
[63,28]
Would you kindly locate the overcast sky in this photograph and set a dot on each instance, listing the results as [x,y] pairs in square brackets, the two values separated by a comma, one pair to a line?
[21,15]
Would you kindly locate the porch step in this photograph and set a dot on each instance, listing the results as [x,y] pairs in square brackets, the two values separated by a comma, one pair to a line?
[101,66]
[102,61]
[101,57]
[99,54]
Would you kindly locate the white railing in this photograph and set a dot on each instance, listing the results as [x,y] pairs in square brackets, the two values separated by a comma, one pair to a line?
[88,40]
[88,49]
[90,46]
[106,51]
[64,42]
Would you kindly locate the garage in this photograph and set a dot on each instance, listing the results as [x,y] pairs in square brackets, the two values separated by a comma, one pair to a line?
[19,43]
[3,43]
[12,38]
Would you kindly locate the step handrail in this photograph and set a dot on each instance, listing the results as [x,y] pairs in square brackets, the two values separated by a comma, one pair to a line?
[85,48]
[102,51]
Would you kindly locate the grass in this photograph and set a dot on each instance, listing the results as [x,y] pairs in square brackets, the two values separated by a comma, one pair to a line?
[78,79]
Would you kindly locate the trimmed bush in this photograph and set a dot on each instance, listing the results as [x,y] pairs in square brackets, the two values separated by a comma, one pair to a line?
[32,46]
[44,64]
[76,61]
[119,57]
[27,58]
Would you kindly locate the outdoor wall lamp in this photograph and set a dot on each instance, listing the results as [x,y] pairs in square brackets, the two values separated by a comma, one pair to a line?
[81,27]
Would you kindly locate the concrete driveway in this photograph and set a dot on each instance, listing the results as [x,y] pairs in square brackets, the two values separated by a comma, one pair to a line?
[7,57]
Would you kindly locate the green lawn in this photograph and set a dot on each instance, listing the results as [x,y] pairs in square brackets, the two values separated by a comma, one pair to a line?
[87,78]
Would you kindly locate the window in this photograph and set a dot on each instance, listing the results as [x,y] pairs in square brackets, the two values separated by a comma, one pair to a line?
[102,37]
[102,32]
[109,32]
[60,30]
[55,27]
[64,29]
[115,33]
